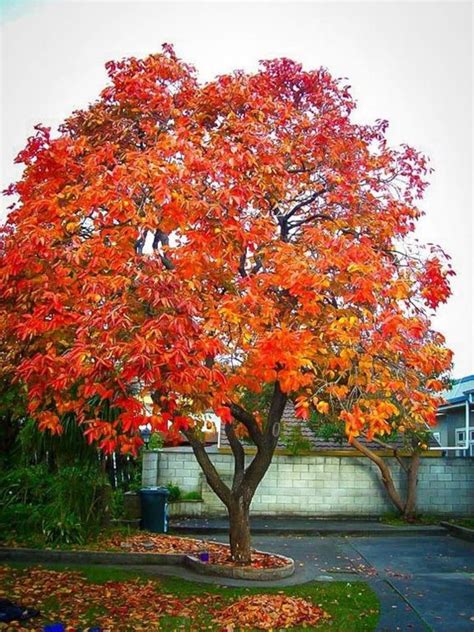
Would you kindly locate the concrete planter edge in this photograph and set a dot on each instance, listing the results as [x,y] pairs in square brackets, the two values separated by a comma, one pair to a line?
[464,533]
[127,559]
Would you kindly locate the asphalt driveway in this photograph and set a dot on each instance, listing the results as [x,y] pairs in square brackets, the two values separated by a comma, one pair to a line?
[434,575]
[423,582]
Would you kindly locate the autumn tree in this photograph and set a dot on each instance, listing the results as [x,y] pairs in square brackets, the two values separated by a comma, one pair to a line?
[404,447]
[191,242]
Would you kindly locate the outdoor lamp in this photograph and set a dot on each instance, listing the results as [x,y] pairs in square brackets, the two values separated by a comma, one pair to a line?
[146,434]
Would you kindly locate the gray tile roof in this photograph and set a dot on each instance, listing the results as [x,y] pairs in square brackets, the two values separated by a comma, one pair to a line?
[290,420]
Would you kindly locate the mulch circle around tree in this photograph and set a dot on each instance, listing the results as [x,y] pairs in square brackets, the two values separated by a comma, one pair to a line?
[157,543]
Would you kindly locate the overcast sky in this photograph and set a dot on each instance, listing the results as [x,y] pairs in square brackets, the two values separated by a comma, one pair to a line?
[410,63]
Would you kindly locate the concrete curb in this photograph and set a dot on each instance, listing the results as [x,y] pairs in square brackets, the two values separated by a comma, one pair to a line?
[464,533]
[89,557]
[113,558]
[236,572]
[350,532]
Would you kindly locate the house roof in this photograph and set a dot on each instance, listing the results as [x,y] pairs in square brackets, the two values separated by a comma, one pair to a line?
[459,391]
[289,421]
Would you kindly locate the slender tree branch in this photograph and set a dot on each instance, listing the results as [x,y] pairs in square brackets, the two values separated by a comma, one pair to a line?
[309,200]
[242,260]
[210,472]
[395,451]
[300,222]
[161,238]
[248,420]
[385,472]
[239,455]
[141,242]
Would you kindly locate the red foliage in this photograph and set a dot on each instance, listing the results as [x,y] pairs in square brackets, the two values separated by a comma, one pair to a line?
[183,242]
[168,544]
[269,612]
[113,605]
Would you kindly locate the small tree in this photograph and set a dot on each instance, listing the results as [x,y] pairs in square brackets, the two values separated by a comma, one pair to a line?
[194,242]
[405,447]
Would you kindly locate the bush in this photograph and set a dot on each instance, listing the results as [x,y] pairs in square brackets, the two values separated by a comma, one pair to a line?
[25,484]
[191,496]
[117,503]
[174,492]
[156,441]
[65,506]
[66,529]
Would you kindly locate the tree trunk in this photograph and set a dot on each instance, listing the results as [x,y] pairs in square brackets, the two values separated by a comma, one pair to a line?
[410,505]
[237,498]
[239,530]
[387,479]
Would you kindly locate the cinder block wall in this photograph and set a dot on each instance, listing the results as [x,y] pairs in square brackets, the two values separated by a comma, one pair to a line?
[320,485]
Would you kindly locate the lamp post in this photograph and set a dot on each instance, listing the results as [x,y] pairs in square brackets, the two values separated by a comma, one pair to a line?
[145,432]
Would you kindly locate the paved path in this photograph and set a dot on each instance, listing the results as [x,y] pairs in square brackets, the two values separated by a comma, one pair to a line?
[423,582]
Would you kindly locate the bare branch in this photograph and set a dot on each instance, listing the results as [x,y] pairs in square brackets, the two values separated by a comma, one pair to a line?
[309,200]
[161,238]
[242,260]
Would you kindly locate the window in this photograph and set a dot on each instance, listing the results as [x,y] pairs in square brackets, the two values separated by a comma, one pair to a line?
[437,437]
[461,440]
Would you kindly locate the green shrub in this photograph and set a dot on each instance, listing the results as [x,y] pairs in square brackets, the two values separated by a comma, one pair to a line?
[191,496]
[82,491]
[295,442]
[64,506]
[116,503]
[174,492]
[26,484]
[20,519]
[156,441]
[66,529]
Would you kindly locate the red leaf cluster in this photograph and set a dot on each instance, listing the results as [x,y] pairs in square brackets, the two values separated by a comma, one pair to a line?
[67,597]
[269,612]
[167,544]
[177,244]
[116,605]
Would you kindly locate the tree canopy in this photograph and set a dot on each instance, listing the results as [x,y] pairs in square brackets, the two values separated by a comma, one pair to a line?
[195,242]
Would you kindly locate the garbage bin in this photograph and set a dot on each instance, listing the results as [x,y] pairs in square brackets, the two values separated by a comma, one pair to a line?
[154,502]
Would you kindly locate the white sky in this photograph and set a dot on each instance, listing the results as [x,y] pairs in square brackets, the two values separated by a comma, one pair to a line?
[408,62]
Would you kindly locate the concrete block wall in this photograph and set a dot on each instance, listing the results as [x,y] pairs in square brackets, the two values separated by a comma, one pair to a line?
[320,485]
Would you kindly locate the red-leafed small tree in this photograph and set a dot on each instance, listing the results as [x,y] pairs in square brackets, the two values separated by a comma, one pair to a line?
[193,243]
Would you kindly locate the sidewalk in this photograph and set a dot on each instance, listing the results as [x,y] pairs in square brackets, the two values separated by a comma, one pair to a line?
[291,525]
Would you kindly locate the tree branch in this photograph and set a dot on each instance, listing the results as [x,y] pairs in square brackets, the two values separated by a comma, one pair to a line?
[210,472]
[248,420]
[277,406]
[261,461]
[242,260]
[239,455]
[394,449]
[310,219]
[141,242]
[161,238]
[305,202]
[385,472]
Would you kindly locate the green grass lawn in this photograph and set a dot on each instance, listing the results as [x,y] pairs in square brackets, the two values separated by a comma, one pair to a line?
[464,522]
[353,606]
[395,520]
